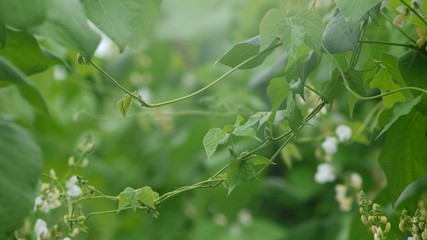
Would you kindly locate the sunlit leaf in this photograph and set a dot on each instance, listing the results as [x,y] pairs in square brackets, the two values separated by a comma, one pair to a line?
[404,153]
[240,171]
[338,36]
[20,168]
[147,196]
[124,104]
[128,198]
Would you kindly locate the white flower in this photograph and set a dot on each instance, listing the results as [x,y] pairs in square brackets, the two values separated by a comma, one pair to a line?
[356,181]
[343,132]
[245,217]
[330,145]
[73,189]
[325,173]
[67,238]
[41,229]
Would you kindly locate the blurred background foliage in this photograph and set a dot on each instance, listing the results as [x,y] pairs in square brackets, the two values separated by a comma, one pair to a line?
[162,147]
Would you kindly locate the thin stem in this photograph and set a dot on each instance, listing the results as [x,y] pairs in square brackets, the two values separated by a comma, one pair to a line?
[389,43]
[414,11]
[109,211]
[355,55]
[399,29]
[313,90]
[153,105]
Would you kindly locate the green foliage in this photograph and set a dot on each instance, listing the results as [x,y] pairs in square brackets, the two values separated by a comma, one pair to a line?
[124,104]
[240,171]
[135,197]
[23,14]
[20,166]
[353,11]
[277,91]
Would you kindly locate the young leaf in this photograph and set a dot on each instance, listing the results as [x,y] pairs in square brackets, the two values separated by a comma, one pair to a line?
[20,167]
[212,139]
[405,163]
[293,114]
[338,37]
[10,73]
[259,160]
[399,110]
[147,196]
[243,51]
[277,91]
[353,11]
[128,198]
[239,172]
[383,80]
[124,104]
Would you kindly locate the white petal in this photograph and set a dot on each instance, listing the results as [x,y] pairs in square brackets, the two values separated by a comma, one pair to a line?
[343,132]
[74,190]
[329,145]
[325,173]
[41,229]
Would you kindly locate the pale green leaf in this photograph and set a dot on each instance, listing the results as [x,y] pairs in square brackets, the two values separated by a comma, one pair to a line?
[383,80]
[148,197]
[277,91]
[353,11]
[271,27]
[259,160]
[403,157]
[124,104]
[128,198]
[20,168]
[212,139]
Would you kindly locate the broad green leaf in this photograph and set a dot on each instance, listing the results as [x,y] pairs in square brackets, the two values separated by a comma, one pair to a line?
[310,63]
[353,11]
[243,51]
[118,19]
[23,51]
[20,167]
[147,196]
[412,66]
[338,37]
[23,14]
[240,171]
[355,81]
[403,157]
[128,198]
[383,80]
[390,63]
[399,110]
[11,74]
[212,139]
[333,87]
[66,23]
[267,73]
[277,91]
[244,131]
[293,114]
[271,27]
[259,160]
[2,35]
[375,14]
[124,104]
[298,88]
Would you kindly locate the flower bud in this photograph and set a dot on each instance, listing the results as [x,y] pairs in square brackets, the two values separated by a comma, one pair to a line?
[376,206]
[424,234]
[364,220]
[71,161]
[374,229]
[371,219]
[362,212]
[383,219]
[402,225]
[414,228]
[387,227]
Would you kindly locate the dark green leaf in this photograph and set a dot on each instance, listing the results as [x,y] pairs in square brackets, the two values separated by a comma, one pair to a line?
[212,139]
[20,167]
[407,162]
[23,14]
[23,51]
[390,63]
[124,104]
[309,64]
[399,110]
[243,51]
[147,196]
[338,36]
[66,23]
[353,11]
[383,80]
[10,73]
[277,91]
[333,87]
[412,66]
[293,114]
[239,172]
[128,198]
[118,19]
[2,35]
[375,14]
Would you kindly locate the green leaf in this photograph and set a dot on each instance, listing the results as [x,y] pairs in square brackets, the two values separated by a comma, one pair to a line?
[353,11]
[383,80]
[23,14]
[66,23]
[412,66]
[399,110]
[375,14]
[10,73]
[333,87]
[118,19]
[390,63]
[23,51]
[20,167]
[212,139]
[256,160]
[338,37]
[404,154]
[2,35]
[293,114]
[124,104]
[128,198]
[243,51]
[147,196]
[310,63]
[277,91]
[289,152]
[271,27]
[240,171]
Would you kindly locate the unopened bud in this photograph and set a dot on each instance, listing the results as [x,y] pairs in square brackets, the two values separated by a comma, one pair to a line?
[424,234]
[90,147]
[71,161]
[364,220]
[383,219]
[371,219]
[374,229]
[84,163]
[387,227]
[361,211]
[402,225]
[376,206]
[414,228]
[66,219]
[81,218]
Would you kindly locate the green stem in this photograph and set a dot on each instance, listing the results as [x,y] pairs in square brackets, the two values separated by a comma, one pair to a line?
[153,105]
[389,43]
[347,86]
[414,11]
[108,211]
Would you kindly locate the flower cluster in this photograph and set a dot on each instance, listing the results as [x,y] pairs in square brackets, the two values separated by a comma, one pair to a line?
[346,193]
[49,198]
[404,11]
[416,225]
[373,216]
